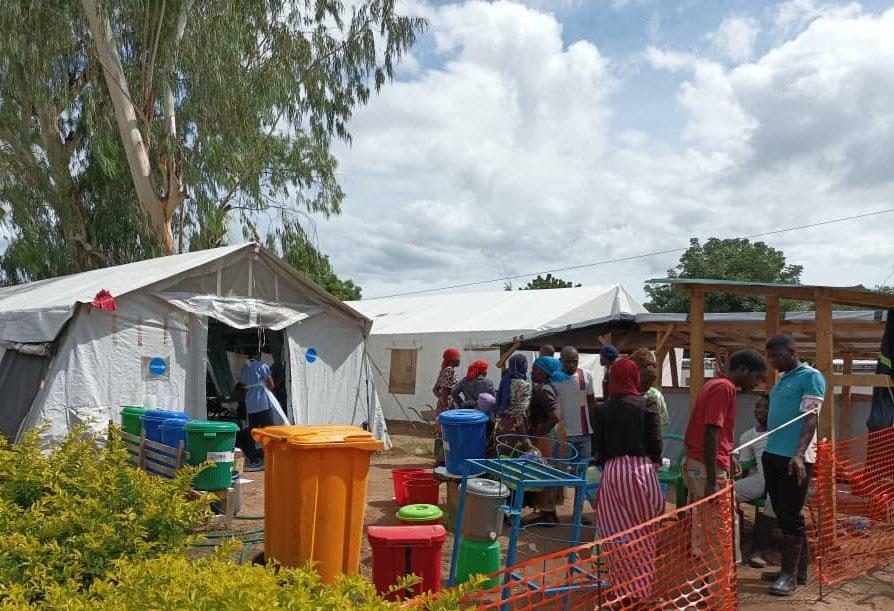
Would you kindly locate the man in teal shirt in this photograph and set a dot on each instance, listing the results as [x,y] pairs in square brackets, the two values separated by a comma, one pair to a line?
[790,454]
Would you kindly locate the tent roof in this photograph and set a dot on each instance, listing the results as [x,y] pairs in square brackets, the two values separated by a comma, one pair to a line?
[503,311]
[55,299]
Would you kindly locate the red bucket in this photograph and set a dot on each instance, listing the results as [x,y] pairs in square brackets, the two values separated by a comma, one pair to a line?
[398,477]
[420,491]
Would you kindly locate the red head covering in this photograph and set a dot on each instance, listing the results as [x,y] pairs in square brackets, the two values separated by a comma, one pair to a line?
[478,368]
[451,354]
[623,378]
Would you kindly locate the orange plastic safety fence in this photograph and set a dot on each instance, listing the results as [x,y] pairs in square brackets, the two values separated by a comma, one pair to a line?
[853,506]
[681,560]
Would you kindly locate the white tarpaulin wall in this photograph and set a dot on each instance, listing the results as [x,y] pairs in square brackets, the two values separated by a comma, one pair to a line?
[329,372]
[98,366]
[473,322]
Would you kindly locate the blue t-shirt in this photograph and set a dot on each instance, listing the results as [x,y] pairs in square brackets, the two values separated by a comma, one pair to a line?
[797,391]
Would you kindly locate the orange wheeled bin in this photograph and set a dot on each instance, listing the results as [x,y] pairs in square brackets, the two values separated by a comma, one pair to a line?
[315,486]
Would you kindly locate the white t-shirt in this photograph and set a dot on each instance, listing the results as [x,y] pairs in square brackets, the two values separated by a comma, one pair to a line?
[572,394]
[755,450]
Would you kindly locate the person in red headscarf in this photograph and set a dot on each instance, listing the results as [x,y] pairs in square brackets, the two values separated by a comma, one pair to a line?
[628,448]
[447,379]
[465,394]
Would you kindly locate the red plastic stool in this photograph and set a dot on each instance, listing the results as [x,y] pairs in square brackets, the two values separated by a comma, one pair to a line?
[406,550]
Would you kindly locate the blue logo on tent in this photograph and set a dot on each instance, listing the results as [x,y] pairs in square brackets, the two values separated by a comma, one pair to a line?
[311,355]
[158,366]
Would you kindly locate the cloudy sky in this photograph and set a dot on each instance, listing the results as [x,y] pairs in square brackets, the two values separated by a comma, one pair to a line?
[528,136]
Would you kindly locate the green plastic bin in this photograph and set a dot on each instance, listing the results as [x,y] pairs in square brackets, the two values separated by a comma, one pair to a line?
[477,558]
[130,419]
[215,442]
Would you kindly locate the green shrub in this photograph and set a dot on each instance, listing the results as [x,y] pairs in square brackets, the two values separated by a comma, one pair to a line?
[67,514]
[214,583]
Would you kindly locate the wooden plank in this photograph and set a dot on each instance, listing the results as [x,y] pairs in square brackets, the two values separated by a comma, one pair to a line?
[171,461]
[159,447]
[129,438]
[824,350]
[860,379]
[160,469]
[771,329]
[860,298]
[846,403]
[758,326]
[696,344]
[662,341]
[501,363]
[675,371]
[661,356]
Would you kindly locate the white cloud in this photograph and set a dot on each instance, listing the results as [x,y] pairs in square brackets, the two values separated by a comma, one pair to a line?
[505,159]
[734,39]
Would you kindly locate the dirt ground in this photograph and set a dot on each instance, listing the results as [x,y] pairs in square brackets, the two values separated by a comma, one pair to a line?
[413,448]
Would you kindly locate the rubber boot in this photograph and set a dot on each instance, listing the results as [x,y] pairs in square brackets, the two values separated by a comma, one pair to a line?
[760,541]
[803,561]
[791,556]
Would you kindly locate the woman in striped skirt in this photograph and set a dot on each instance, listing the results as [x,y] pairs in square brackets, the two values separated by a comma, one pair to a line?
[628,447]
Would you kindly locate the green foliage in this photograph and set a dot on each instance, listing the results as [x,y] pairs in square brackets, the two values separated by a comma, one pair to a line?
[547,282]
[214,583]
[259,91]
[736,259]
[300,253]
[68,514]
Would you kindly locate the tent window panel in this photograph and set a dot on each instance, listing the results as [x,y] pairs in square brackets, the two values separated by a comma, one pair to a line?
[402,375]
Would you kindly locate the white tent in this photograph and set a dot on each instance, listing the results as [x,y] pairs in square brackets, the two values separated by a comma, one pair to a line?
[409,334]
[67,363]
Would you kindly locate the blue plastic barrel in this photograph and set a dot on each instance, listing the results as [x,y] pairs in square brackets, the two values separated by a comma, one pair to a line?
[172,432]
[153,419]
[464,432]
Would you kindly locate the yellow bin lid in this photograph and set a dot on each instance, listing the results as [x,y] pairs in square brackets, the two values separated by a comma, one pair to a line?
[319,436]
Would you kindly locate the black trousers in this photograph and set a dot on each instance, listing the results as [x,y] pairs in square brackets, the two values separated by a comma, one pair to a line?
[785,494]
[257,421]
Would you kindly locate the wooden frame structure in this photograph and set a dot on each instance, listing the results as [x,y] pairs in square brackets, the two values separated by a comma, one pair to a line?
[823,347]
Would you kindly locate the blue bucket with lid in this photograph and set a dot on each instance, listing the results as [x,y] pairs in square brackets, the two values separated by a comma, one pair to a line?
[464,432]
[153,419]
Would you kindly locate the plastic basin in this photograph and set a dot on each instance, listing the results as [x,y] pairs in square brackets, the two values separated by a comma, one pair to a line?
[212,441]
[397,478]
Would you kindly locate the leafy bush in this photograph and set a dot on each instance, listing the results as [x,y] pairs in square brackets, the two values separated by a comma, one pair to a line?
[214,583]
[67,514]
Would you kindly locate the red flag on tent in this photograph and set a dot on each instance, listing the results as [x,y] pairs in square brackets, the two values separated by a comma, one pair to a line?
[104,301]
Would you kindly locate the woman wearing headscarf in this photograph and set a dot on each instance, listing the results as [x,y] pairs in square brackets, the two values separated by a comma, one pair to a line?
[513,397]
[443,387]
[546,430]
[465,393]
[647,375]
[628,447]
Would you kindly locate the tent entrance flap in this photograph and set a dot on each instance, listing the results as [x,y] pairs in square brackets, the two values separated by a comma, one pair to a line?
[241,312]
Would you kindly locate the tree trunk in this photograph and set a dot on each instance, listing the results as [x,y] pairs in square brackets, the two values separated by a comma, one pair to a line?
[157,211]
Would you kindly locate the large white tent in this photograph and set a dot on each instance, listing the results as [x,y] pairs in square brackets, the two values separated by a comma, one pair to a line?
[67,363]
[409,334]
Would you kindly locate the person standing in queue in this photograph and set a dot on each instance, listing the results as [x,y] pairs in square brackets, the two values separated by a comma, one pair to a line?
[443,387]
[608,354]
[790,455]
[465,393]
[711,432]
[577,400]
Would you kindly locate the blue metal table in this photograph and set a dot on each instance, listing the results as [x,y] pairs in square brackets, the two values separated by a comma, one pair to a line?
[519,475]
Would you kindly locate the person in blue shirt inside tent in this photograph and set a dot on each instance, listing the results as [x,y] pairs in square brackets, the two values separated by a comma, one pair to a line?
[790,455]
[261,405]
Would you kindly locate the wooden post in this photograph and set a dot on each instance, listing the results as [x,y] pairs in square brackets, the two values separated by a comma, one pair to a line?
[844,424]
[772,328]
[660,357]
[696,344]
[824,364]
[675,372]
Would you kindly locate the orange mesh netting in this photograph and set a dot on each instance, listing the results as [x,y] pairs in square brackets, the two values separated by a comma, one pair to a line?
[853,506]
[683,559]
